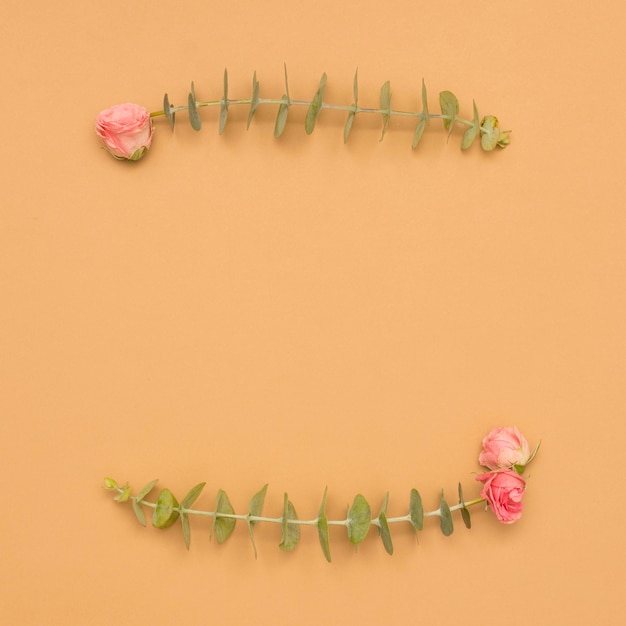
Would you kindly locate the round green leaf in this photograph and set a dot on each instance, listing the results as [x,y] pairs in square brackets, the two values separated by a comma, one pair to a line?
[416,510]
[166,510]
[223,526]
[359,519]
[291,532]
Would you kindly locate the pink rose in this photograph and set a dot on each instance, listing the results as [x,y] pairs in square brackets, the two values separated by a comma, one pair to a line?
[504,447]
[503,489]
[125,131]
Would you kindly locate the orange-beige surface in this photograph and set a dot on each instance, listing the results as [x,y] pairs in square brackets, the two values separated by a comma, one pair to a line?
[238,310]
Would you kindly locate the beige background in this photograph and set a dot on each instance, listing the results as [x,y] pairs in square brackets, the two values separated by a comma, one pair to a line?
[243,310]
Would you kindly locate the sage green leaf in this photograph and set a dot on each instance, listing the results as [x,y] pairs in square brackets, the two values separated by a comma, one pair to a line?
[184,518]
[419,131]
[146,490]
[445,517]
[166,511]
[465,514]
[223,526]
[468,137]
[359,519]
[281,118]
[385,105]
[315,107]
[167,109]
[286,84]
[123,495]
[355,86]
[224,104]
[110,484]
[425,104]
[192,108]
[139,514]
[490,133]
[291,532]
[385,533]
[255,508]
[322,528]
[472,132]
[254,103]
[416,510]
[192,496]
[450,107]
[348,127]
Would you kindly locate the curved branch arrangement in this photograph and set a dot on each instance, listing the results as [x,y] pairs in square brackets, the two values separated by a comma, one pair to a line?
[126,130]
[505,452]
[487,128]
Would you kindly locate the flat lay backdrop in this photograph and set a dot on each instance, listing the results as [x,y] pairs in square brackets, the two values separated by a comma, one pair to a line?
[243,310]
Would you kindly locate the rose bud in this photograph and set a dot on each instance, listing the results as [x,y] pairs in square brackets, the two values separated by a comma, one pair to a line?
[505,447]
[125,131]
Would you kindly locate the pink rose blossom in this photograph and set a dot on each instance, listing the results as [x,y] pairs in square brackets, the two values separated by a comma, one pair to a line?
[125,131]
[503,490]
[504,447]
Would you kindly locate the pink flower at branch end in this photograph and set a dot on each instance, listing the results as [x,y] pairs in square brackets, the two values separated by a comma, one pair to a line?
[125,131]
[503,490]
[505,447]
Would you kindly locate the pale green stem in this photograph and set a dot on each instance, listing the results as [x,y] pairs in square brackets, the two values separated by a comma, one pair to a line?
[311,522]
[324,105]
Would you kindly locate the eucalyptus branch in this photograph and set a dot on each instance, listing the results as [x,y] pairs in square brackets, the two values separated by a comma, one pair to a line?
[486,128]
[167,510]
[505,453]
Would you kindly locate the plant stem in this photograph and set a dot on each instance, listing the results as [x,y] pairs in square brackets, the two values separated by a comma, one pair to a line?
[324,105]
[311,522]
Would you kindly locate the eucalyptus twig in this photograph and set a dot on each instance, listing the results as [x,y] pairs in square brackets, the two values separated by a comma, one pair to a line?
[486,128]
[167,510]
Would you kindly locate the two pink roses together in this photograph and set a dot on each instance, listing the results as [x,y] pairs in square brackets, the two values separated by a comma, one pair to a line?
[505,453]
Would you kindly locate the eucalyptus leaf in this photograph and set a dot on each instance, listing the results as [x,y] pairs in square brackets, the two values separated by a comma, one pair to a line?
[254,103]
[425,103]
[355,86]
[184,518]
[385,533]
[490,133]
[167,109]
[223,526]
[224,105]
[281,118]
[286,84]
[255,507]
[291,532]
[465,514]
[192,108]
[315,107]
[139,514]
[385,105]
[419,131]
[322,528]
[472,132]
[449,106]
[123,495]
[416,510]
[166,510]
[348,127]
[192,496]
[359,519]
[445,517]
[144,491]
[110,484]
[468,137]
